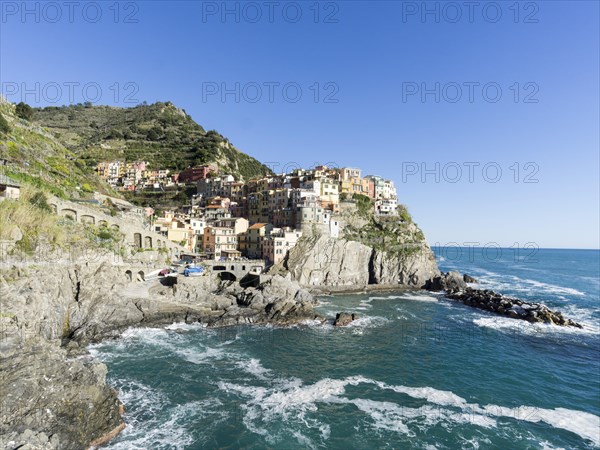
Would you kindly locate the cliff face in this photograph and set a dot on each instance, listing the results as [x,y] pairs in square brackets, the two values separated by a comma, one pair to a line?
[324,261]
[370,250]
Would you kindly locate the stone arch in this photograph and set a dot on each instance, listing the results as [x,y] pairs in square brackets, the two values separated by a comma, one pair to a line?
[69,213]
[137,240]
[86,218]
[148,242]
[129,275]
[227,276]
[217,268]
[141,276]
[114,226]
[103,223]
[54,207]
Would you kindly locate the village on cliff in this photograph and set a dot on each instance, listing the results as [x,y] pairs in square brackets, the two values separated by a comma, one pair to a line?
[262,218]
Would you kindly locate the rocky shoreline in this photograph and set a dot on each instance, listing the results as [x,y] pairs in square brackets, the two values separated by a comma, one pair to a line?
[54,395]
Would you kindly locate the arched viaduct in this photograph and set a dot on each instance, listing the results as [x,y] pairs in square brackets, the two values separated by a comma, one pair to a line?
[135,232]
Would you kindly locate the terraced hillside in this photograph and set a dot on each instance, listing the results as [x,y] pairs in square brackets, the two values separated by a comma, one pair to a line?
[162,134]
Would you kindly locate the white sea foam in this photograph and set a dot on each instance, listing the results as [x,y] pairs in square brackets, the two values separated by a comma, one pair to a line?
[205,355]
[182,326]
[295,400]
[420,297]
[368,322]
[584,424]
[513,326]
[163,425]
[500,282]
[383,298]
[254,367]
[385,415]
[546,287]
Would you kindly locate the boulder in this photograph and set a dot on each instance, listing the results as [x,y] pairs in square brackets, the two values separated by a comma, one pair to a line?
[342,319]
[469,279]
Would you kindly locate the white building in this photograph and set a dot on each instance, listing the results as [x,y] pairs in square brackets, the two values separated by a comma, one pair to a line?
[278,243]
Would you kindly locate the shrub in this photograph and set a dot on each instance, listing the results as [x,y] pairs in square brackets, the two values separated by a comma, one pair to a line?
[364,204]
[24,111]
[40,201]
[4,126]
[404,214]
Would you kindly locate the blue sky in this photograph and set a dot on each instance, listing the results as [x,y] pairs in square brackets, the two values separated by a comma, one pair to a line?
[361,69]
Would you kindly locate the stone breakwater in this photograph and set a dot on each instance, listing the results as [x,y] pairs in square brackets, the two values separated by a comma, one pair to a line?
[510,307]
[455,286]
[54,395]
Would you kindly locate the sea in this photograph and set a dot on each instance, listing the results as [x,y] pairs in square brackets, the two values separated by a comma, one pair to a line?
[414,371]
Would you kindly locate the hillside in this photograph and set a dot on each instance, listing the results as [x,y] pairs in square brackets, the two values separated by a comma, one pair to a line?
[162,134]
[34,156]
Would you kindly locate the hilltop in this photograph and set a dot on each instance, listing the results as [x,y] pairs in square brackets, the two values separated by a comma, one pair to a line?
[160,133]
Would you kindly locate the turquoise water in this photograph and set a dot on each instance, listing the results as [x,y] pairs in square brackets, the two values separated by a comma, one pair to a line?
[415,371]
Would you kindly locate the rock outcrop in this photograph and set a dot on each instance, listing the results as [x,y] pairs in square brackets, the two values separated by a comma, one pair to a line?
[53,394]
[446,281]
[50,401]
[320,260]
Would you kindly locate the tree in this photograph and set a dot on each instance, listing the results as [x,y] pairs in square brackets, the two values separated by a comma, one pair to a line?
[24,111]
[4,126]
[152,135]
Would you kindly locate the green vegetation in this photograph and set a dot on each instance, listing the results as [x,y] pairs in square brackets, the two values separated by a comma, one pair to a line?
[364,204]
[39,200]
[24,111]
[392,234]
[31,220]
[404,214]
[37,158]
[161,134]
[56,149]
[104,236]
[4,126]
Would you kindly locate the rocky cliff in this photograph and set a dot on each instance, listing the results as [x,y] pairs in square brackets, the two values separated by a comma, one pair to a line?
[53,394]
[326,261]
[369,251]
